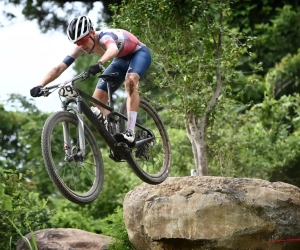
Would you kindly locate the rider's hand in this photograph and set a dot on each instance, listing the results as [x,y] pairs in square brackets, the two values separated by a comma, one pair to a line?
[36,91]
[95,68]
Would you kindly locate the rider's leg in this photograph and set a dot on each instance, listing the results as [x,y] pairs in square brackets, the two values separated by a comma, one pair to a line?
[133,99]
[139,63]
[101,91]
[101,96]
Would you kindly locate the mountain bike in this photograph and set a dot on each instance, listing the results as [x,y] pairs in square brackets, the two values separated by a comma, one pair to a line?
[72,156]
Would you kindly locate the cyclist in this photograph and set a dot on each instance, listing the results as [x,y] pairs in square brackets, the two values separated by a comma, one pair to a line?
[130,58]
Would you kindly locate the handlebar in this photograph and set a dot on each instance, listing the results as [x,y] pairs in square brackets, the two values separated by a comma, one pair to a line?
[46,90]
[82,76]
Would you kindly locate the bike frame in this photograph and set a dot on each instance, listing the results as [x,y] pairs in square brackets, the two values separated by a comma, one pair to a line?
[83,108]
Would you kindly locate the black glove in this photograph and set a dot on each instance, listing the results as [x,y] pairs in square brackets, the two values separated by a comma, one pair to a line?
[95,68]
[36,91]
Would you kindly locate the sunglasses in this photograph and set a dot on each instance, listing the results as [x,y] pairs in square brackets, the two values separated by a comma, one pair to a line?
[83,41]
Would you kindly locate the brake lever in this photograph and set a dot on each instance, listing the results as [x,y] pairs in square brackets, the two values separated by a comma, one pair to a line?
[45,92]
[85,75]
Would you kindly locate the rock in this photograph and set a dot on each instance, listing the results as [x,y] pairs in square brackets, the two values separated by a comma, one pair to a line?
[67,239]
[188,213]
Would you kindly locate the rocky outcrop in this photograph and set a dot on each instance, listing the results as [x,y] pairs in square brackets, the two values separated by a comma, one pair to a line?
[66,239]
[213,213]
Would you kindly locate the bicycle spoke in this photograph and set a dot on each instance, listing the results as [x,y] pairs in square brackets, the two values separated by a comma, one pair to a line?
[89,174]
[151,161]
[79,173]
[73,179]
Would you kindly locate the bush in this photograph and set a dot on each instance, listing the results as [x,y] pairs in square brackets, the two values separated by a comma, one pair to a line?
[114,226]
[21,206]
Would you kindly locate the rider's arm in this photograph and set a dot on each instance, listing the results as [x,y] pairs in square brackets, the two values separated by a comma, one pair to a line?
[54,73]
[111,52]
[61,67]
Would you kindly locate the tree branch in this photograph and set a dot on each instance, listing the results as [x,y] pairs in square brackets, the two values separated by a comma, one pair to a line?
[218,91]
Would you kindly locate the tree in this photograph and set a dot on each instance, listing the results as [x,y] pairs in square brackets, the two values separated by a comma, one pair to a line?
[261,140]
[194,54]
[285,76]
[274,23]
[19,199]
[55,14]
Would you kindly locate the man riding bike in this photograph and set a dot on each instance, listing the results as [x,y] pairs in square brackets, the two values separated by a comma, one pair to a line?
[130,58]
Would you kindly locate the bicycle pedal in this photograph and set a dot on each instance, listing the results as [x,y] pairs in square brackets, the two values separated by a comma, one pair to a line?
[124,146]
[116,158]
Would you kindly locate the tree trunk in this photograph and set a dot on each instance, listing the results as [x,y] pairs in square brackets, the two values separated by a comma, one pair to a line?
[197,124]
[196,134]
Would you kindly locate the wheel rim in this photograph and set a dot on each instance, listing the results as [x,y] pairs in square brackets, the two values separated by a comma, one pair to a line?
[77,173]
[152,159]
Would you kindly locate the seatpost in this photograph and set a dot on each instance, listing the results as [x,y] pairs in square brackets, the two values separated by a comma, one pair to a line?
[109,92]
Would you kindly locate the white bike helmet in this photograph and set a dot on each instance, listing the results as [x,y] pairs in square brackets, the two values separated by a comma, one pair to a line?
[78,28]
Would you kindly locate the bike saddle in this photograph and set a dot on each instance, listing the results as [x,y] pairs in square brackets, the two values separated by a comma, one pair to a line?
[111,77]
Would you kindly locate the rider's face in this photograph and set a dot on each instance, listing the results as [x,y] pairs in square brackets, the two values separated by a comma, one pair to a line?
[86,43]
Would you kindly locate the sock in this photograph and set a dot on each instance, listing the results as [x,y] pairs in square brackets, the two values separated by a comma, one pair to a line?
[131,116]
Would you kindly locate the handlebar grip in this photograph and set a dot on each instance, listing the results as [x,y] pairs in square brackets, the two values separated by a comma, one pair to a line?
[45,92]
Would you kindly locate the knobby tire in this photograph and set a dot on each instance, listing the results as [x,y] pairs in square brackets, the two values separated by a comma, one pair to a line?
[156,168]
[87,184]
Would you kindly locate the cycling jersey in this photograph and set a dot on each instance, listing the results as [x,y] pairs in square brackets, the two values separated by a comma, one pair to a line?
[126,42]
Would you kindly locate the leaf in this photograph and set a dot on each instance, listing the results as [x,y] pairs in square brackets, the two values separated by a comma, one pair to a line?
[1,191]
[7,203]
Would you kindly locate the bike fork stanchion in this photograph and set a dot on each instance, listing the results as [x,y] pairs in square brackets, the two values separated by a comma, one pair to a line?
[80,127]
[81,135]
[67,141]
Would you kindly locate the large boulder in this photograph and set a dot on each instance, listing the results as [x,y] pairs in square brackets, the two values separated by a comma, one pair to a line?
[67,239]
[213,213]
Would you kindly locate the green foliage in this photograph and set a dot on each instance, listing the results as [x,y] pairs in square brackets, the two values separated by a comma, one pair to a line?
[12,150]
[20,141]
[70,215]
[274,23]
[47,15]
[247,89]
[21,206]
[259,141]
[284,78]
[279,33]
[182,155]
[32,245]
[114,226]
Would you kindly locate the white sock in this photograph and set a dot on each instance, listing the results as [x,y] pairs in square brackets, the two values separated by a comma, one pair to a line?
[131,116]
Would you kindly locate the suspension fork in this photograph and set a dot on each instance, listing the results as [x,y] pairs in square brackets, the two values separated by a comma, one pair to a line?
[80,130]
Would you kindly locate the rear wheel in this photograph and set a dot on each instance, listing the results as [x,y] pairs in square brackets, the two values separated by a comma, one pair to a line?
[152,161]
[78,177]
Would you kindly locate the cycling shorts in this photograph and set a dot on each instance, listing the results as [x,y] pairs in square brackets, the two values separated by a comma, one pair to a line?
[137,62]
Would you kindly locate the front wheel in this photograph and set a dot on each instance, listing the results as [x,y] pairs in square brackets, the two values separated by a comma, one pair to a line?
[79,177]
[152,161]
